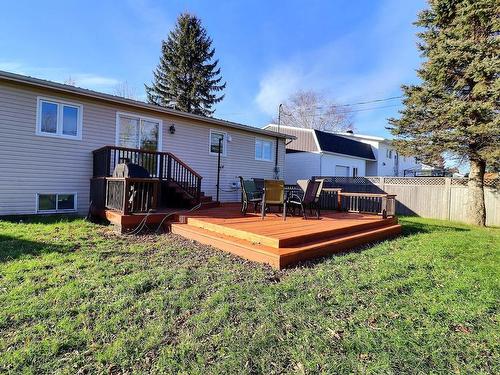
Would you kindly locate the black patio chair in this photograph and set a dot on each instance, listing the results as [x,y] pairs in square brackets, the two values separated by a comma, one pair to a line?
[249,194]
[310,199]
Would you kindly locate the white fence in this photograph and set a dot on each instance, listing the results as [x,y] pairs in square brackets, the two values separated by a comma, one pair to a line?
[431,197]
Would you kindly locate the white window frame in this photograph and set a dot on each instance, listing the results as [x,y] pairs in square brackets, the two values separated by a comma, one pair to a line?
[255,149]
[140,118]
[224,143]
[56,211]
[354,172]
[59,128]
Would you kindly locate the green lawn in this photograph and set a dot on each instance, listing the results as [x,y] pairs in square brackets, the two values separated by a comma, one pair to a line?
[74,296]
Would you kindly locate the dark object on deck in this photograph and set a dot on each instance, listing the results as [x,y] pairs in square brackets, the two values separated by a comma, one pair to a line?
[249,194]
[259,184]
[130,170]
[310,199]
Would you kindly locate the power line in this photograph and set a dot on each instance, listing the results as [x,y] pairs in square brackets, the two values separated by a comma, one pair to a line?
[349,111]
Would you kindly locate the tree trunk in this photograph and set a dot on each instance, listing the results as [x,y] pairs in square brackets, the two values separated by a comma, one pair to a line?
[476,211]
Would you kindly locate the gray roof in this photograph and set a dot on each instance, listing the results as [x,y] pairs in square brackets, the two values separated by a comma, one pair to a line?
[37,82]
[311,140]
[330,142]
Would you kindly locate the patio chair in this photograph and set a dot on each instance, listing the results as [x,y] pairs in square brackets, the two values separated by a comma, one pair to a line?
[309,199]
[259,184]
[274,195]
[249,194]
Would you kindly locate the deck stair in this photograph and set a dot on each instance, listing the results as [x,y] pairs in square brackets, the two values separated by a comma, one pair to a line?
[282,243]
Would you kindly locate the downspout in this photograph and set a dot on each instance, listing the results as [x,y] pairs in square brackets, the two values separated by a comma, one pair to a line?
[276,169]
[321,164]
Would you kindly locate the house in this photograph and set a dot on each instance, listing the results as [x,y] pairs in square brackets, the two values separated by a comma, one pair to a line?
[389,162]
[49,131]
[319,153]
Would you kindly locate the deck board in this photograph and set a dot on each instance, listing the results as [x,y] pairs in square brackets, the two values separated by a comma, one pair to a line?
[282,243]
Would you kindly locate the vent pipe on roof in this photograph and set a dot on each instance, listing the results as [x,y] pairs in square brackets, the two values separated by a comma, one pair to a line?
[350,131]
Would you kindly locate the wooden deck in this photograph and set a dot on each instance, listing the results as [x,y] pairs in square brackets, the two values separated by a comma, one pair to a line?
[282,243]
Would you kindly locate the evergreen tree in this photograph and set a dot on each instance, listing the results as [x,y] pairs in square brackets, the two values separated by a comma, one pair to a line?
[455,107]
[187,78]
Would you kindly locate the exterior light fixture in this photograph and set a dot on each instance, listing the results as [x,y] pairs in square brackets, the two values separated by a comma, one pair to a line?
[171,129]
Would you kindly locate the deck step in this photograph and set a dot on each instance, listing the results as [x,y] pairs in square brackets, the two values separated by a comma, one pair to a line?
[299,238]
[285,256]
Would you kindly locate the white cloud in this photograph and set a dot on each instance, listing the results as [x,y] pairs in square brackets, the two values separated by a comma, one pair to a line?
[93,80]
[276,86]
[57,74]
[356,66]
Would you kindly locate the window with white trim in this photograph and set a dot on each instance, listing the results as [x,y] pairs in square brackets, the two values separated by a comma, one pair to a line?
[354,171]
[215,136]
[56,202]
[139,132]
[263,150]
[57,118]
[388,153]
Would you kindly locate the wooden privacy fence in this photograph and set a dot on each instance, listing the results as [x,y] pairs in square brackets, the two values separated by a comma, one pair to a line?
[431,197]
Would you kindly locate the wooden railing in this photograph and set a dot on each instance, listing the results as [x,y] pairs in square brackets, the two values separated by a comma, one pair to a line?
[382,204]
[336,199]
[163,166]
[131,195]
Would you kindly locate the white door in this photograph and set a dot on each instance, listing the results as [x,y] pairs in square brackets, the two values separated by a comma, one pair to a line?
[341,171]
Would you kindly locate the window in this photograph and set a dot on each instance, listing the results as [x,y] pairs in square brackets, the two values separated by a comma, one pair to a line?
[59,119]
[354,171]
[51,203]
[388,154]
[215,136]
[263,150]
[138,132]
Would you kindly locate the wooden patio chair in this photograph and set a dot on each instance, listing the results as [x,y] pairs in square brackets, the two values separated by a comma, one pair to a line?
[249,194]
[309,199]
[274,195]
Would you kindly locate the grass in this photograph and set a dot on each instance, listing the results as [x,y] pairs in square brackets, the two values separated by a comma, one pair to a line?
[75,297]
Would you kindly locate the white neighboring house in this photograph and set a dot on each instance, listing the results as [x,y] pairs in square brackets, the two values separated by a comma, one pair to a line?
[318,153]
[388,161]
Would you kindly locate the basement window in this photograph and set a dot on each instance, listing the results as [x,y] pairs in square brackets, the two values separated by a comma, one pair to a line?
[57,118]
[55,203]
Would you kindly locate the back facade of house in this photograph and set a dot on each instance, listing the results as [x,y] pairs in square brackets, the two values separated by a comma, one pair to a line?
[48,132]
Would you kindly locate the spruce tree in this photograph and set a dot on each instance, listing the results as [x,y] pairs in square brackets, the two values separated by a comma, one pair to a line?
[187,78]
[455,107]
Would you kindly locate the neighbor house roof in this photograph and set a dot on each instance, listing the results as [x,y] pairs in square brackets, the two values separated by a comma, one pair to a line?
[330,142]
[310,140]
[41,83]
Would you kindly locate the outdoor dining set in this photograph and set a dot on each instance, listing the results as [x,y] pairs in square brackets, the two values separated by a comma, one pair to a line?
[265,194]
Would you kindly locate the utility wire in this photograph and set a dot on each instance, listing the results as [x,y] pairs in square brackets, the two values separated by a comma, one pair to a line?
[344,112]
[341,105]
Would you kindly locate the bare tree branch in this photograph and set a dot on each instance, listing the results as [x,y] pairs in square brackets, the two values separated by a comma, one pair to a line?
[312,110]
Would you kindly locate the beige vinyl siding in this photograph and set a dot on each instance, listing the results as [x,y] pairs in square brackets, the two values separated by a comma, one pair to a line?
[190,143]
[31,164]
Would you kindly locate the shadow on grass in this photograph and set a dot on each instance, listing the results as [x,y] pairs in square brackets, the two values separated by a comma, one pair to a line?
[411,227]
[40,219]
[408,228]
[12,248]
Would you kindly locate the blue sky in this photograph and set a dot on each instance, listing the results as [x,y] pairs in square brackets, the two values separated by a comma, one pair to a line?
[349,50]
